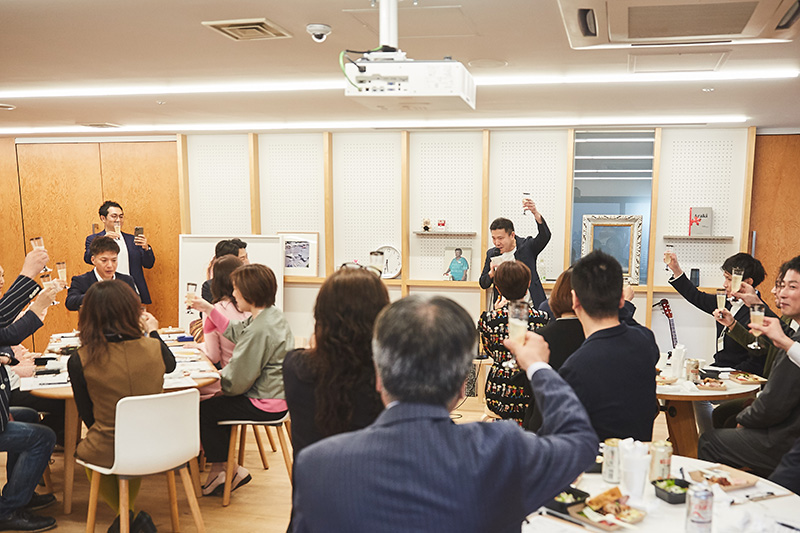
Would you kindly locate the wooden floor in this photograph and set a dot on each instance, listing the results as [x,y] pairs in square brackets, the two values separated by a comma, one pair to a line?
[261,506]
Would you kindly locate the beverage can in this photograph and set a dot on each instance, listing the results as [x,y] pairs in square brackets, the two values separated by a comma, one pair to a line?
[611,463]
[699,508]
[660,460]
[692,370]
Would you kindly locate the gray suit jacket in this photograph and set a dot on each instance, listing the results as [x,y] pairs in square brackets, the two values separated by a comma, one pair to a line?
[415,470]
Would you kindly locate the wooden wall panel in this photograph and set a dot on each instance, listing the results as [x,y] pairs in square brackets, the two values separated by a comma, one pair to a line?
[776,176]
[143,178]
[60,186]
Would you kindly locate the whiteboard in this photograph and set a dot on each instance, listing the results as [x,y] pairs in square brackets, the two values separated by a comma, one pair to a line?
[197,251]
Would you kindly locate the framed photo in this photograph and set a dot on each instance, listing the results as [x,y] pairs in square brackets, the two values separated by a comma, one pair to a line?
[617,235]
[457,263]
[300,253]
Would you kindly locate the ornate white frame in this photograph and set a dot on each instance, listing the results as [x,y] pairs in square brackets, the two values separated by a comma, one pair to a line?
[634,223]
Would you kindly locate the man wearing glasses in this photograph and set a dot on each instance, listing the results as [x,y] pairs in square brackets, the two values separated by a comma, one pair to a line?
[134,251]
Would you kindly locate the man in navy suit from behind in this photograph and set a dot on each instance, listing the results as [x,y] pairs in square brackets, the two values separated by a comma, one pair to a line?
[136,253]
[413,469]
[104,253]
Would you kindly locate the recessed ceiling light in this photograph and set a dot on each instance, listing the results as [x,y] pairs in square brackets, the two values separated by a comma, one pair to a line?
[160,102]
[708,89]
[7,107]
[487,63]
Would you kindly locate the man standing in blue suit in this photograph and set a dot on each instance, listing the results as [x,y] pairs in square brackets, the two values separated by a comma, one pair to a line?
[507,247]
[414,469]
[134,251]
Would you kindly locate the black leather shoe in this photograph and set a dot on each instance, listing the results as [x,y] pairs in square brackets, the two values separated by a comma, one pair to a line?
[40,501]
[22,520]
[143,524]
[114,527]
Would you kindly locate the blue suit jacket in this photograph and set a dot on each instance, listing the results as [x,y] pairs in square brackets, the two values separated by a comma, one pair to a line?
[528,250]
[138,258]
[80,284]
[414,469]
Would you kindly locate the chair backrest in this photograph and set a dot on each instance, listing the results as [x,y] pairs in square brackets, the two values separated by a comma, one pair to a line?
[157,432]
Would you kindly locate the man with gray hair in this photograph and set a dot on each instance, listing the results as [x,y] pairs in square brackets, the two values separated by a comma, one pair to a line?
[413,469]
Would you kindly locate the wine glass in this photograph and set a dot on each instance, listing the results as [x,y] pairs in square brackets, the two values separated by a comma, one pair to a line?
[61,268]
[37,243]
[191,294]
[756,317]
[47,283]
[722,295]
[669,251]
[517,327]
[736,280]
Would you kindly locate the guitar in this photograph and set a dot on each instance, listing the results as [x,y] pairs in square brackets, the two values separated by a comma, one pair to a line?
[664,305]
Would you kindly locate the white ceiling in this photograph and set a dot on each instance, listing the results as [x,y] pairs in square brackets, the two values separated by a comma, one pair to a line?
[49,44]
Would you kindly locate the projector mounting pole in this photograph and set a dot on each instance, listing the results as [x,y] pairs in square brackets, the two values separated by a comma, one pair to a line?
[388,23]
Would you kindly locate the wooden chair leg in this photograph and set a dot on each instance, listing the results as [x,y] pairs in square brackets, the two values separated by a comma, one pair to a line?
[271,440]
[48,481]
[287,454]
[226,495]
[173,501]
[260,445]
[288,425]
[194,470]
[94,492]
[124,506]
[187,487]
[242,440]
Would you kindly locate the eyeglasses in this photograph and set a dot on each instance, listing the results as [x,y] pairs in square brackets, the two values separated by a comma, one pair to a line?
[375,270]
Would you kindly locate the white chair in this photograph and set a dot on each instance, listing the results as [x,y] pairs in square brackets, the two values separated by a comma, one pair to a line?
[153,434]
[281,426]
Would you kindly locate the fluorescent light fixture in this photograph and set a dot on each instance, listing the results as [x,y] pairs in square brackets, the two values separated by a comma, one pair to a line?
[644,77]
[339,83]
[484,122]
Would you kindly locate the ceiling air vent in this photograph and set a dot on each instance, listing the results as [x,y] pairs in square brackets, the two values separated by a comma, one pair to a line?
[636,23]
[248,29]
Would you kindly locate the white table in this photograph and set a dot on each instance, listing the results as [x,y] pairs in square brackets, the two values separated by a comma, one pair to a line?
[669,518]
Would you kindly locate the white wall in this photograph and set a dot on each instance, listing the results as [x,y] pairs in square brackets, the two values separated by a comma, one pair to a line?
[699,167]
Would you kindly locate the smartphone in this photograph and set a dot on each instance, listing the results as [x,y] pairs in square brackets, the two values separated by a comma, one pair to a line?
[139,230]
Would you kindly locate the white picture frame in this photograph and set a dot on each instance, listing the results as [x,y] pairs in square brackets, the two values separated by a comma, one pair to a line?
[450,255]
[301,253]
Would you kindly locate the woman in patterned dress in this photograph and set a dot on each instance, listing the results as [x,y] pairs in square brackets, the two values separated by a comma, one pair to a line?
[505,394]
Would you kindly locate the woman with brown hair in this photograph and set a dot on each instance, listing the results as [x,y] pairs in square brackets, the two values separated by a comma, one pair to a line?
[330,388]
[217,348]
[115,360]
[506,395]
[252,384]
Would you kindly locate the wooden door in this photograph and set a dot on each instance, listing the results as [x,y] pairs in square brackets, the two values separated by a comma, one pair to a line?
[143,178]
[60,193]
[776,178]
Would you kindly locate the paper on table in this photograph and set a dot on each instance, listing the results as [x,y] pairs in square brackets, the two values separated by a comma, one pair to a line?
[538,523]
[44,382]
[183,382]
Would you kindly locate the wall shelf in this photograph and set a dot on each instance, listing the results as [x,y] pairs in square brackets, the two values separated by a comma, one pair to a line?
[699,237]
[445,233]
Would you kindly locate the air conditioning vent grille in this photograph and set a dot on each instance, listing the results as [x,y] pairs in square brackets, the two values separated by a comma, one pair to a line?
[659,22]
[248,29]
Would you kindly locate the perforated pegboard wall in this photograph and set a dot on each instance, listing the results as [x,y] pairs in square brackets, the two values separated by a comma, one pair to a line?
[291,168]
[219,184]
[367,200]
[534,162]
[701,168]
[445,175]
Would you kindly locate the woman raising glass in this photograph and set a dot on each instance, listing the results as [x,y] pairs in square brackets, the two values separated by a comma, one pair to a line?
[252,384]
[115,360]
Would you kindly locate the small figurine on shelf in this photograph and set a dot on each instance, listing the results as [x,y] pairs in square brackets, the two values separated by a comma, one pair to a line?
[426,224]
[442,225]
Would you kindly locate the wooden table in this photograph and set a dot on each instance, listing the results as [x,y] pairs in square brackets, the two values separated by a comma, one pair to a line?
[680,412]
[72,424]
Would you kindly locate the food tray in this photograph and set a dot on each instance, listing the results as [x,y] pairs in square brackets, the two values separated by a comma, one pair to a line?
[745,480]
[672,497]
[561,507]
[575,510]
[746,378]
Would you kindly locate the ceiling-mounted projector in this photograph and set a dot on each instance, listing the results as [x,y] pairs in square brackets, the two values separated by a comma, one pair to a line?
[411,84]
[385,79]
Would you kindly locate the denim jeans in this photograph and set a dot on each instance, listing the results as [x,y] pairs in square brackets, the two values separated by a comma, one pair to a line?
[29,446]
